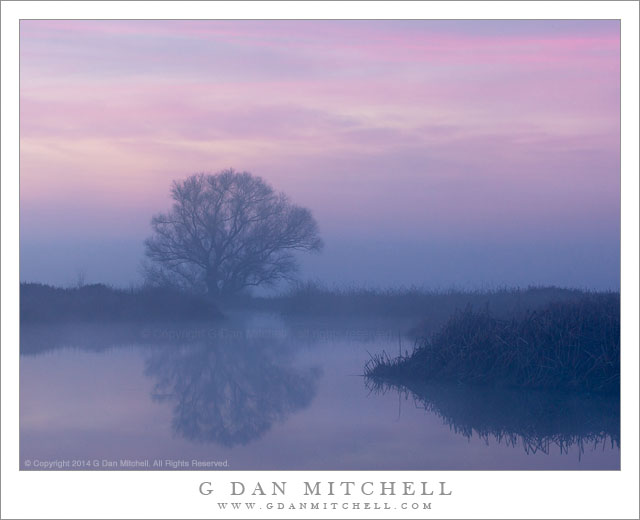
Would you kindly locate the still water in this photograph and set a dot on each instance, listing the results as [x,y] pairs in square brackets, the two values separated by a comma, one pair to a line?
[257,392]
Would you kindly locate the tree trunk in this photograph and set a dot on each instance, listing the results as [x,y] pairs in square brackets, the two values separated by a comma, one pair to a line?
[212,287]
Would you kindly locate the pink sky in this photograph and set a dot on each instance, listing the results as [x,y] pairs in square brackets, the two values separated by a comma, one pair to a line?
[499,132]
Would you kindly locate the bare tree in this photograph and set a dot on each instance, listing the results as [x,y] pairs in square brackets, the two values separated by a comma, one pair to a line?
[226,232]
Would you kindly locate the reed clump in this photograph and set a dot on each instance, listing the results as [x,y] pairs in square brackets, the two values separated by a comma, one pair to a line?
[572,345]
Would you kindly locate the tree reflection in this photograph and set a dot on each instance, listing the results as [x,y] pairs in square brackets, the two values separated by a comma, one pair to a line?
[229,392]
[535,420]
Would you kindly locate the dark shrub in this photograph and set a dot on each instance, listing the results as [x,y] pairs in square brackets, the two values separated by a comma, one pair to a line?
[570,345]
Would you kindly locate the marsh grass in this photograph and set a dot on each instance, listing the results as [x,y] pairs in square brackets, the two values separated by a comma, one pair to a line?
[572,345]
[428,308]
[98,302]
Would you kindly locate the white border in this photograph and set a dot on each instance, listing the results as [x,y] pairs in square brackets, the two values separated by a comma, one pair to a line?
[174,495]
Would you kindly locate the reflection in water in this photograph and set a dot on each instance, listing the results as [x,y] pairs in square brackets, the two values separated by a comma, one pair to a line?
[535,420]
[226,387]
[228,392]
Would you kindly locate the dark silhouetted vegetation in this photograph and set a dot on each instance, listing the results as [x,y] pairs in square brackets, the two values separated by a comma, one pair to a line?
[533,419]
[571,345]
[43,303]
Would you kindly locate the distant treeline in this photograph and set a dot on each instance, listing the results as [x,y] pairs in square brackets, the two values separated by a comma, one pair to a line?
[43,303]
[570,345]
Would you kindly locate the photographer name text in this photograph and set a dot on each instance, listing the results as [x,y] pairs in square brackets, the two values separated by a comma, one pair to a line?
[330,488]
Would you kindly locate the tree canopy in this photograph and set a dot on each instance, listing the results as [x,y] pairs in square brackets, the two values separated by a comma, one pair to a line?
[226,232]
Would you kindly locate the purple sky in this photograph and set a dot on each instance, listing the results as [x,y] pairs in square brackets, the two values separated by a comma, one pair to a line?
[434,153]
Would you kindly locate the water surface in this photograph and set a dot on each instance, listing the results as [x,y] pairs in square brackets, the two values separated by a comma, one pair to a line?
[260,392]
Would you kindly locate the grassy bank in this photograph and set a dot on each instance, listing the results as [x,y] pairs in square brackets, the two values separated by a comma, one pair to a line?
[571,345]
[43,303]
